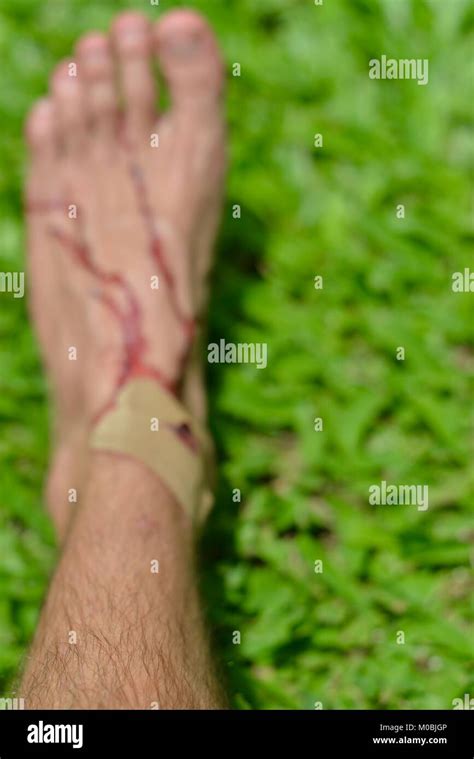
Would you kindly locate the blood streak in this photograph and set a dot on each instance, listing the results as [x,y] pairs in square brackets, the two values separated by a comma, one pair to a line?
[188,325]
[129,318]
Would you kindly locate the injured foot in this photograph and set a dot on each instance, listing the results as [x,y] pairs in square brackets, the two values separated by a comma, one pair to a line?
[123,205]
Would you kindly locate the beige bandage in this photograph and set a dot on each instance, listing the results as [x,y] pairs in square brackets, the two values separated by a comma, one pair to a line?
[131,428]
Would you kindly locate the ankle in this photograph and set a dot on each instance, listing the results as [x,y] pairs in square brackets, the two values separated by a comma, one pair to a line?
[129,494]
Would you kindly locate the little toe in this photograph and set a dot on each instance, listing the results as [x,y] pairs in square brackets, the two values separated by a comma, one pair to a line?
[40,129]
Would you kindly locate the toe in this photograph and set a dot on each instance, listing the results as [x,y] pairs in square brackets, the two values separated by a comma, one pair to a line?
[40,129]
[190,58]
[96,70]
[132,38]
[68,106]
[42,138]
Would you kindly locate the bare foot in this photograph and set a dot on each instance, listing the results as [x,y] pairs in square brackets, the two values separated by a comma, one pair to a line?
[123,206]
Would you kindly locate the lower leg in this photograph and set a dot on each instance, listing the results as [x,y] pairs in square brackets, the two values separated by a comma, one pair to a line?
[122,627]
[117,292]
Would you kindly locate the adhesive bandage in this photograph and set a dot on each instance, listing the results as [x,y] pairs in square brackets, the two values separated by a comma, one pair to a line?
[148,424]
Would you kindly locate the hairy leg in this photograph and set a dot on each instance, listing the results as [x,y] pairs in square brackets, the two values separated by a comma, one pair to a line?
[122,626]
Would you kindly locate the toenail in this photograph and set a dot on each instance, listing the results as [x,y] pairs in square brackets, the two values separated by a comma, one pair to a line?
[94,47]
[92,44]
[43,106]
[66,84]
[132,40]
[185,47]
[131,35]
[96,55]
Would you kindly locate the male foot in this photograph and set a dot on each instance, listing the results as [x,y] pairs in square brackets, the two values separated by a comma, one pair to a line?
[123,205]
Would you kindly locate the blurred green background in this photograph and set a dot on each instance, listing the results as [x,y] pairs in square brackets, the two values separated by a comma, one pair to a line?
[306,637]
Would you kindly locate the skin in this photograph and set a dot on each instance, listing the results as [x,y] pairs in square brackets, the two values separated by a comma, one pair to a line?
[107,212]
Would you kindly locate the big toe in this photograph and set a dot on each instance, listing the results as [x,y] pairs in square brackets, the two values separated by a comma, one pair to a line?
[190,59]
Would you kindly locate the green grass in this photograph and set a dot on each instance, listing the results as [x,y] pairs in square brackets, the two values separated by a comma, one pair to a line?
[306,637]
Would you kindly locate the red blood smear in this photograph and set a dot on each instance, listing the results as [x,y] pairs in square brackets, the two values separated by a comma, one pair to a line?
[130,318]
